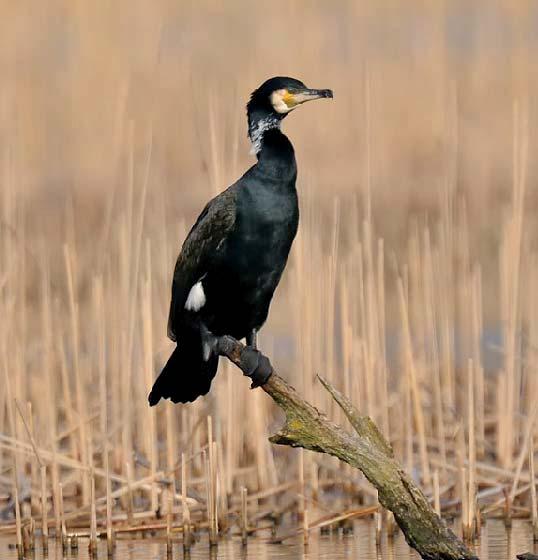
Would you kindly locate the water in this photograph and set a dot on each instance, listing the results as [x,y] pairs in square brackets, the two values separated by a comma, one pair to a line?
[496,543]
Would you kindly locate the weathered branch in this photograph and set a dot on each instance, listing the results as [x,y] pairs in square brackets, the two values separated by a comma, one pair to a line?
[367,451]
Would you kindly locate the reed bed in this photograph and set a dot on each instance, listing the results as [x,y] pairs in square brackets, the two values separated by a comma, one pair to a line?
[411,286]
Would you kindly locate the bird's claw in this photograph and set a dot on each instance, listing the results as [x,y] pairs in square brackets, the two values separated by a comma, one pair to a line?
[256,366]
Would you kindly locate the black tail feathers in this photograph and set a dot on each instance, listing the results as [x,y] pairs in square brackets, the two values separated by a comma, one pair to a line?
[186,376]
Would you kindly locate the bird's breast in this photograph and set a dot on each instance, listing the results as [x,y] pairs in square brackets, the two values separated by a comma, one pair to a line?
[257,251]
[268,223]
[240,286]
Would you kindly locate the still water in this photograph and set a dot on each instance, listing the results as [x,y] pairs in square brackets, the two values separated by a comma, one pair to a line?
[496,543]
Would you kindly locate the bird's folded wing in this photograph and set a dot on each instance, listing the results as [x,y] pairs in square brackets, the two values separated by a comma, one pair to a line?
[202,243]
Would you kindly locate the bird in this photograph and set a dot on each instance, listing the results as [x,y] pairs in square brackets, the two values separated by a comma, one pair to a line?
[235,253]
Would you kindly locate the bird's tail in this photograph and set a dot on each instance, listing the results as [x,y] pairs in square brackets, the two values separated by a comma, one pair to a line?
[186,376]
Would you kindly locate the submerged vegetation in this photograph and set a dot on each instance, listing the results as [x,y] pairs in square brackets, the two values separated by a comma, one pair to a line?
[411,287]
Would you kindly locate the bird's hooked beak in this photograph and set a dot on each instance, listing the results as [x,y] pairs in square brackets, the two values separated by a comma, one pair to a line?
[284,101]
[302,96]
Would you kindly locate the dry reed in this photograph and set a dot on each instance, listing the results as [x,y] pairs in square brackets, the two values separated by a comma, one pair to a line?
[411,285]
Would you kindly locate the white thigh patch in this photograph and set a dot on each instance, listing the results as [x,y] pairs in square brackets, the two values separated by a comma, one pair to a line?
[196,298]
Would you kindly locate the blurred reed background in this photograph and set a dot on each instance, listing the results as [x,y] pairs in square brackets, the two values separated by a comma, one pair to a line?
[412,283]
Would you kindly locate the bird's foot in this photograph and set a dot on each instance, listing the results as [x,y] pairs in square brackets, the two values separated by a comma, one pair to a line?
[256,366]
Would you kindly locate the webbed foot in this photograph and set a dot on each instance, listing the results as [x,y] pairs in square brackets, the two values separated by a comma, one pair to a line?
[256,366]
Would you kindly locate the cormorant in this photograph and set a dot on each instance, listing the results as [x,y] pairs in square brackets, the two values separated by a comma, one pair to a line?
[234,255]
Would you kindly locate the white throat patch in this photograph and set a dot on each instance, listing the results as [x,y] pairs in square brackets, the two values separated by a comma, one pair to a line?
[261,127]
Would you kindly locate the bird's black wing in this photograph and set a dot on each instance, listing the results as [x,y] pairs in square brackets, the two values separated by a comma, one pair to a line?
[202,243]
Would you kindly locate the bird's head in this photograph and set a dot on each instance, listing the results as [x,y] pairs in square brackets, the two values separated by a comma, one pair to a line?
[281,95]
[275,98]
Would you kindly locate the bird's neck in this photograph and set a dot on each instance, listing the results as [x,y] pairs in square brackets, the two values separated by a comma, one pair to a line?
[257,127]
[276,157]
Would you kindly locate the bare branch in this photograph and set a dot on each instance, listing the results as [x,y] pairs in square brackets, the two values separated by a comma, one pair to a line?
[367,450]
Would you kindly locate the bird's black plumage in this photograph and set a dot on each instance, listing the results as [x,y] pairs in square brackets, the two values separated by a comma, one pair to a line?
[234,255]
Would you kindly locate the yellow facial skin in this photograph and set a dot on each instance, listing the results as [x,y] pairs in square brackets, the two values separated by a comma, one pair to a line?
[289,99]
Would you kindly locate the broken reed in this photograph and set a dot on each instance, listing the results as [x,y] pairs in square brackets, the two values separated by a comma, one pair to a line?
[244,515]
[185,507]
[44,509]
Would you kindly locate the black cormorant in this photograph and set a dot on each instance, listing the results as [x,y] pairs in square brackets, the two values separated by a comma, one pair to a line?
[233,258]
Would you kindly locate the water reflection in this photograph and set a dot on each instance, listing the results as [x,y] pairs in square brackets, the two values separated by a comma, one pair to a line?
[496,543]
